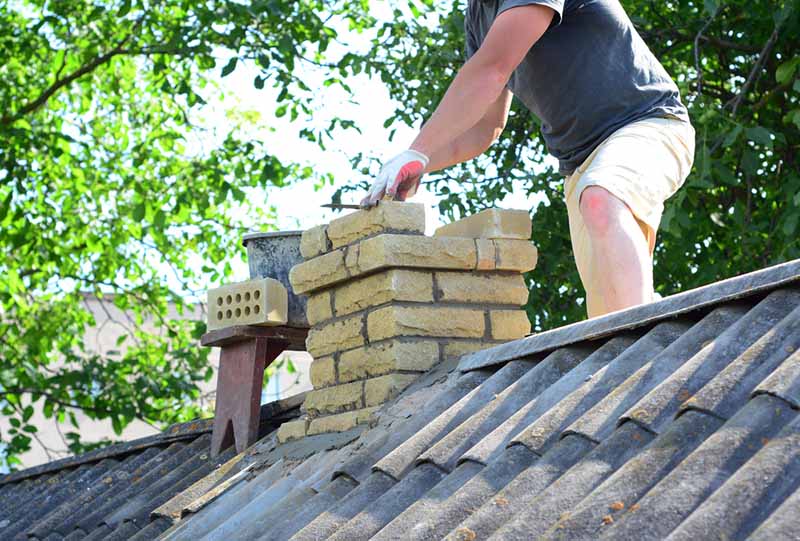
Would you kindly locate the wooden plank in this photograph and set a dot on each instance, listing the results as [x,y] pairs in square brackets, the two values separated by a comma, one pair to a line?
[295,336]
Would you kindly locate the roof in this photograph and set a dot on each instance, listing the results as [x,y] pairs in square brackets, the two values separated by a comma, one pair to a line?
[111,492]
[675,420]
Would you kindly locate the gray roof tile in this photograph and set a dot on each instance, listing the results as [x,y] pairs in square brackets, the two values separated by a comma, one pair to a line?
[751,494]
[360,464]
[659,406]
[632,480]
[494,442]
[545,430]
[601,419]
[782,523]
[724,394]
[449,450]
[432,517]
[580,433]
[331,520]
[513,498]
[411,523]
[383,510]
[540,511]
[402,458]
[678,494]
[785,381]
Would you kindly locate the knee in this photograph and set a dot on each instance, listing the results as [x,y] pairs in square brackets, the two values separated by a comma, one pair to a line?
[599,209]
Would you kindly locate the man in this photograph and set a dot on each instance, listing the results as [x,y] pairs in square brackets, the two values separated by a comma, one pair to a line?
[609,112]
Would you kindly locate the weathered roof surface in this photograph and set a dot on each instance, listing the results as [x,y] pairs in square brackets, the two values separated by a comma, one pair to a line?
[110,493]
[682,423]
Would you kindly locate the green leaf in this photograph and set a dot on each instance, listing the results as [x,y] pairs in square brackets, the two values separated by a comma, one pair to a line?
[785,72]
[116,424]
[258,82]
[159,219]
[730,139]
[759,135]
[138,212]
[790,224]
[230,66]
[15,422]
[27,413]
[710,6]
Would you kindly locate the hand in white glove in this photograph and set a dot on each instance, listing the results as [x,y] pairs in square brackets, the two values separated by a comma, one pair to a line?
[398,179]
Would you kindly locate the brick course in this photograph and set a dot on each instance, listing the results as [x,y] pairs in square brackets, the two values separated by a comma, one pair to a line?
[387,303]
[388,216]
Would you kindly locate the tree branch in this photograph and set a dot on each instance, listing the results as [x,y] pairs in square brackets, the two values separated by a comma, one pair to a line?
[53,399]
[58,84]
[755,73]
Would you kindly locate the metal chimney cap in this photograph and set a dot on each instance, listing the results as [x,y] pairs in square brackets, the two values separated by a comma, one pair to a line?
[268,234]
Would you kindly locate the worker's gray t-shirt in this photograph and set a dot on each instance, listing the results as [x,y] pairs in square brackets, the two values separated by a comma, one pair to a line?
[587,76]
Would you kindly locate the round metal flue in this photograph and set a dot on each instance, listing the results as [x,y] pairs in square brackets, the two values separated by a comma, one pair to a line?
[272,255]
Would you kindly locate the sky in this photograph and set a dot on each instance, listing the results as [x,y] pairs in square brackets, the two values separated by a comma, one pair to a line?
[299,204]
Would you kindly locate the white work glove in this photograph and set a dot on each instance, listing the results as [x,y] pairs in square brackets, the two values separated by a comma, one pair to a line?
[398,179]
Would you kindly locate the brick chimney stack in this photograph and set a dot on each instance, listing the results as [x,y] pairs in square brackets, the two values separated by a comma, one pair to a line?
[386,303]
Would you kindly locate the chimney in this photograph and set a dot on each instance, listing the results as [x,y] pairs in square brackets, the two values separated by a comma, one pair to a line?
[387,303]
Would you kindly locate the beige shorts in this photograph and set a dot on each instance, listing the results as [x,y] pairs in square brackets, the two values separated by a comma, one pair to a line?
[642,164]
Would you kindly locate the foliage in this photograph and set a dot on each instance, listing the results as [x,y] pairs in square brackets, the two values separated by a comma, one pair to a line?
[737,65]
[105,190]
[103,185]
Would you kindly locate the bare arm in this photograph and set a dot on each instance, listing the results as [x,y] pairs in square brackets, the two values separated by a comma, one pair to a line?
[481,81]
[476,139]
[466,120]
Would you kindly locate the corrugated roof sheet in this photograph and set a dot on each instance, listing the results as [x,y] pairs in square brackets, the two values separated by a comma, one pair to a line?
[678,426]
[111,493]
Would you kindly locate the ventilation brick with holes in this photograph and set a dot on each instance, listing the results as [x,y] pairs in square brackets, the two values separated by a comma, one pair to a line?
[387,303]
[263,301]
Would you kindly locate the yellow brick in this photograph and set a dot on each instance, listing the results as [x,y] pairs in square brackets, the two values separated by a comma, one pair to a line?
[456,349]
[334,399]
[335,336]
[516,255]
[387,357]
[323,372]
[340,422]
[509,324]
[482,288]
[486,254]
[379,390]
[292,430]
[351,258]
[314,242]
[393,285]
[393,321]
[319,272]
[319,308]
[388,216]
[263,301]
[415,251]
[490,224]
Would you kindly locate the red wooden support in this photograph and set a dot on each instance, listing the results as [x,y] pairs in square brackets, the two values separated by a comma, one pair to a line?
[245,352]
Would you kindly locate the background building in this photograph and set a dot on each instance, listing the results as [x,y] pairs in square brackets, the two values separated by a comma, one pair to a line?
[49,444]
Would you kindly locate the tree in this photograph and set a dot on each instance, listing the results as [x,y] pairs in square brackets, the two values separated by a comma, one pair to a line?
[737,65]
[103,187]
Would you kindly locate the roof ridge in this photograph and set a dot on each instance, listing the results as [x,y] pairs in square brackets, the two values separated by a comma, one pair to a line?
[744,285]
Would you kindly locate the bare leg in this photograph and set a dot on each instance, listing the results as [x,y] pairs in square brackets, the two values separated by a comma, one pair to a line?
[620,251]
